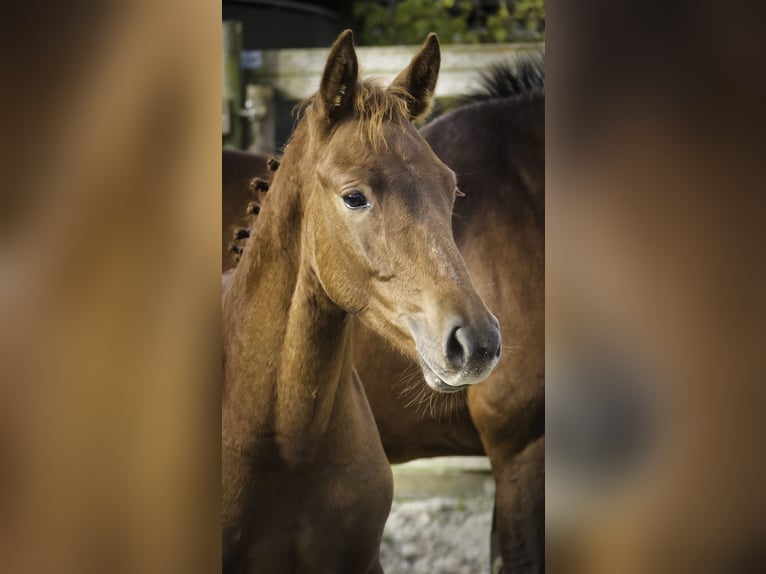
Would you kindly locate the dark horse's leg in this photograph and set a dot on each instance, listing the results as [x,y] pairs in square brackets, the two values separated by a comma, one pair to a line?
[518,525]
[513,438]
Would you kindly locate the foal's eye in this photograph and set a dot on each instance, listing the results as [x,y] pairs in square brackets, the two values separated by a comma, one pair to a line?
[355,200]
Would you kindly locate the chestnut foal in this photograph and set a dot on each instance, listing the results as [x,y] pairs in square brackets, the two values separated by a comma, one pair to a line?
[357,222]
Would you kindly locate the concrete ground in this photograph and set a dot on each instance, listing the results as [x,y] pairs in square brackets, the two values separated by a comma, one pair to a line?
[441,517]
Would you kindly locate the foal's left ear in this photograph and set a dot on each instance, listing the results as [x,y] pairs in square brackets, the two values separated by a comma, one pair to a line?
[336,90]
[419,78]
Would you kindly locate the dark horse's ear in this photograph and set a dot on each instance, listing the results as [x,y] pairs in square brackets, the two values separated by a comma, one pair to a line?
[419,78]
[336,91]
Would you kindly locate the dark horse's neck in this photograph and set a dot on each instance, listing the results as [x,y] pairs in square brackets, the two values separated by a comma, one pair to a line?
[286,346]
[510,156]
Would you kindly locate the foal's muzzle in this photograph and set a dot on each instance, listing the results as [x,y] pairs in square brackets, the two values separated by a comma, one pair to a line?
[466,355]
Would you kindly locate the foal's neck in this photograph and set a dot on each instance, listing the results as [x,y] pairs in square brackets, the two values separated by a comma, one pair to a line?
[286,346]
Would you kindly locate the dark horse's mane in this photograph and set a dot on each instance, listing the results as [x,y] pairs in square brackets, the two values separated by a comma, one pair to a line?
[505,79]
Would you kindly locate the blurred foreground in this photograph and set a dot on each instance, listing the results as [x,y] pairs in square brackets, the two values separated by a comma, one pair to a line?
[654,292]
[110,288]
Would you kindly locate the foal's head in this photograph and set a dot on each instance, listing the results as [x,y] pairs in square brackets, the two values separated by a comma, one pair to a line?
[377,220]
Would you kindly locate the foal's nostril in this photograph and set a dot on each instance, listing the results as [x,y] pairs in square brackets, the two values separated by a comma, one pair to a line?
[459,346]
[453,349]
[466,348]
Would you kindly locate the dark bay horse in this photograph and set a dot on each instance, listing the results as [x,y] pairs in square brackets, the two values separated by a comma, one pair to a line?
[356,223]
[497,149]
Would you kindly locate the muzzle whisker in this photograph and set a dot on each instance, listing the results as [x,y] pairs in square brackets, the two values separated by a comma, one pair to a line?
[511,348]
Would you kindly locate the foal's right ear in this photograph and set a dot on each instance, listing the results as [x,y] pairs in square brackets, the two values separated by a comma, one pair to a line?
[336,91]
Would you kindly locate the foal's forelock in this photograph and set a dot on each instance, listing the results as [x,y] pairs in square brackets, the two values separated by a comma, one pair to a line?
[373,106]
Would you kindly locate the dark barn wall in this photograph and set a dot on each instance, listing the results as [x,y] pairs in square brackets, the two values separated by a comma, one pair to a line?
[273,24]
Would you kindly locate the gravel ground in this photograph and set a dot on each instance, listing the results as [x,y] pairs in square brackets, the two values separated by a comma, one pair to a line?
[440,520]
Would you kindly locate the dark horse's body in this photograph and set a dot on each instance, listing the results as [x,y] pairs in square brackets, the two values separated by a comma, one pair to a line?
[497,150]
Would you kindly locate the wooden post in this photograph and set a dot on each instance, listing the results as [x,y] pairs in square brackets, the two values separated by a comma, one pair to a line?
[232,89]
[259,111]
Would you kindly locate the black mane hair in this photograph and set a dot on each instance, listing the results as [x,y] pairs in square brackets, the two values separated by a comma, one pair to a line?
[508,80]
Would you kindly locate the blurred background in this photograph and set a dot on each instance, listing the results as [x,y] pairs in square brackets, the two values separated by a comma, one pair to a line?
[274,51]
